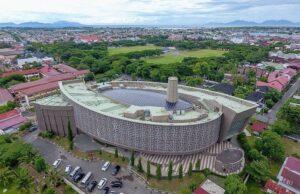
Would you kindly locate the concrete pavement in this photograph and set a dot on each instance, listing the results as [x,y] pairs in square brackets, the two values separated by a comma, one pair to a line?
[51,152]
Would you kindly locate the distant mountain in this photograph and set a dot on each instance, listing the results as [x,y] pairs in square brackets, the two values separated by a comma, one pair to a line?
[242,23]
[58,24]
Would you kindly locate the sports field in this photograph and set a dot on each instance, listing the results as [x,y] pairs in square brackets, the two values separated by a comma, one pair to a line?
[177,56]
[127,49]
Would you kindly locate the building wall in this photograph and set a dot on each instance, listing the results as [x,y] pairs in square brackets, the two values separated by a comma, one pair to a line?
[145,137]
[55,118]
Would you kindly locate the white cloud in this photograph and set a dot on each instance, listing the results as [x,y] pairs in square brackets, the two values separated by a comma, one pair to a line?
[146,11]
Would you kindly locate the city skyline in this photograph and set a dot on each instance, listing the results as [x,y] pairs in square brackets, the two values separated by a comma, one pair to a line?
[147,12]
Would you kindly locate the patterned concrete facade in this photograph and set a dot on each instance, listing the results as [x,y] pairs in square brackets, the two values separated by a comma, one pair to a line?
[147,138]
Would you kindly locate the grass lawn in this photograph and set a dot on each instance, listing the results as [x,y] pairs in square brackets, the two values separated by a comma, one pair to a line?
[176,185]
[291,147]
[253,187]
[127,49]
[173,57]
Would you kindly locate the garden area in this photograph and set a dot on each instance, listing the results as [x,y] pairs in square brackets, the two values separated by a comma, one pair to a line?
[23,170]
[128,49]
[178,56]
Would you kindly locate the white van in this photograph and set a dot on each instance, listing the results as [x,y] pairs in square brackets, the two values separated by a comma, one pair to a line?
[75,171]
[85,181]
[105,166]
[102,183]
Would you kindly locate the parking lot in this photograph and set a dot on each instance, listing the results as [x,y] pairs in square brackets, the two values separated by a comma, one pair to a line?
[51,152]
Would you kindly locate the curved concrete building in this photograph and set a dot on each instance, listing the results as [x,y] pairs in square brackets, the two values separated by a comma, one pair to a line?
[137,116]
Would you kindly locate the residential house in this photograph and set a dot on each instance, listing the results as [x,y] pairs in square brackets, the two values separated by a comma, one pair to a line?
[289,174]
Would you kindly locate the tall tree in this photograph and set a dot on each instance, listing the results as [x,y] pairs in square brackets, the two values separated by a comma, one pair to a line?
[197,165]
[258,170]
[148,169]
[70,135]
[190,170]
[234,185]
[116,153]
[140,166]
[170,170]
[180,171]
[132,158]
[158,171]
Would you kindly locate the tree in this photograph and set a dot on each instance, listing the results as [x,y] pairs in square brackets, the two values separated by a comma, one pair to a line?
[70,135]
[234,185]
[158,171]
[281,127]
[6,176]
[148,169]
[180,171]
[49,191]
[197,165]
[89,77]
[140,166]
[116,153]
[271,145]
[23,180]
[258,171]
[190,170]
[132,158]
[170,170]
[40,164]
[54,178]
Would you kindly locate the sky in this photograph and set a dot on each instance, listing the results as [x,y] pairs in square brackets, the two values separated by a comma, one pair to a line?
[148,12]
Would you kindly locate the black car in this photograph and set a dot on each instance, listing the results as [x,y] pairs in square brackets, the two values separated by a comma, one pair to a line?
[91,186]
[116,170]
[116,184]
[78,177]
[32,128]
[105,190]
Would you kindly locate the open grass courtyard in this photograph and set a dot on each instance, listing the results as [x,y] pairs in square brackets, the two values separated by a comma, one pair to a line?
[178,56]
[127,49]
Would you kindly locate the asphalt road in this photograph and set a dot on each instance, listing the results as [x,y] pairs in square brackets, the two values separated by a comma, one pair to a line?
[51,152]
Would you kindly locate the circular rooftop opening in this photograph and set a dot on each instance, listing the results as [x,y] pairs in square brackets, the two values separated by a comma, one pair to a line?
[144,98]
[231,155]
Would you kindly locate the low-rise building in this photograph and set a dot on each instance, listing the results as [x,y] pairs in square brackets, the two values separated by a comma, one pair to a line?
[289,174]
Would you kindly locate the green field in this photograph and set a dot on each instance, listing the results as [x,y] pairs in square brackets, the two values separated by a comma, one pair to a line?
[127,49]
[177,56]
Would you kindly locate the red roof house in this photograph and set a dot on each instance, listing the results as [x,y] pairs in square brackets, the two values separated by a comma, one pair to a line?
[289,174]
[5,96]
[272,187]
[11,120]
[22,72]
[259,126]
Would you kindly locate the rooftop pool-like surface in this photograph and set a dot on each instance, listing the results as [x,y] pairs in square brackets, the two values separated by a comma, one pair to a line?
[144,98]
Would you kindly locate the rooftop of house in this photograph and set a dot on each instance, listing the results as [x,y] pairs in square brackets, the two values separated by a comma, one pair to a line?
[5,96]
[289,173]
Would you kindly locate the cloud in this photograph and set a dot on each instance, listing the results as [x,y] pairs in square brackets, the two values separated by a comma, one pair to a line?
[148,11]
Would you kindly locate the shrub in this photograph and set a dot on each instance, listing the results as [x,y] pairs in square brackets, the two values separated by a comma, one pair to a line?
[47,134]
[39,164]
[158,172]
[25,126]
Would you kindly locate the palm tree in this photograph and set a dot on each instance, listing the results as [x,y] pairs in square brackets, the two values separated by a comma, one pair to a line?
[24,181]
[6,176]
[54,178]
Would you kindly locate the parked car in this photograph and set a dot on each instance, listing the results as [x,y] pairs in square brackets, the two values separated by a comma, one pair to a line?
[76,170]
[116,184]
[91,186]
[32,128]
[116,170]
[102,183]
[85,181]
[115,192]
[105,166]
[68,169]
[78,177]
[56,163]
[105,190]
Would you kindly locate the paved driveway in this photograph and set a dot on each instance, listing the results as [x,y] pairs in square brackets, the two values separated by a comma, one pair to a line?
[51,152]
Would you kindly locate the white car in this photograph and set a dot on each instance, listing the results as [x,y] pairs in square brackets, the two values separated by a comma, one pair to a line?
[68,169]
[105,166]
[102,183]
[56,163]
